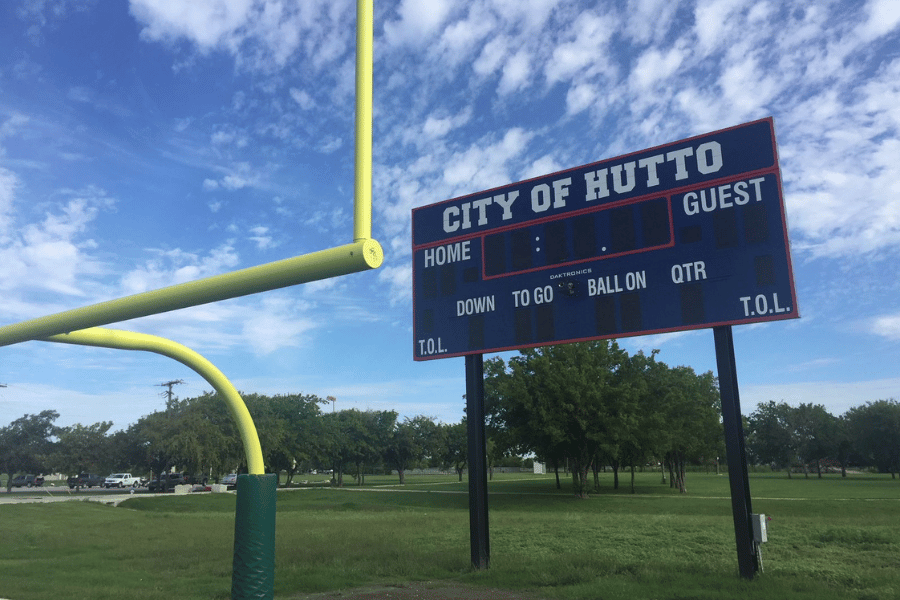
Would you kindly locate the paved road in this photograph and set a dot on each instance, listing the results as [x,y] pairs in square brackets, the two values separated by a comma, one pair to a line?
[63,494]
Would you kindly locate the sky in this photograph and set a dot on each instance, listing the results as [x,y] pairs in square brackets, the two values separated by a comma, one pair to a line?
[145,143]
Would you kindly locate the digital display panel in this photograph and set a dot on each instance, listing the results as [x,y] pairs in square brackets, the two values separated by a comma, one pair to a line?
[683,236]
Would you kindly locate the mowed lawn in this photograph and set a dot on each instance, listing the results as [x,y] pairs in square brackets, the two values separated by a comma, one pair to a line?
[828,538]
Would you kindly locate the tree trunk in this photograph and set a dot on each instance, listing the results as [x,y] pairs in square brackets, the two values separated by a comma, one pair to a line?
[819,468]
[579,478]
[596,470]
[678,464]
[402,476]
[459,471]
[632,479]
[615,468]
[556,470]
[671,473]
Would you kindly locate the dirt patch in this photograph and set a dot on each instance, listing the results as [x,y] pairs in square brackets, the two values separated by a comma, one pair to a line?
[422,590]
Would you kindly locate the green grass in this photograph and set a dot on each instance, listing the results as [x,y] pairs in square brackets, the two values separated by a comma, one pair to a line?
[829,538]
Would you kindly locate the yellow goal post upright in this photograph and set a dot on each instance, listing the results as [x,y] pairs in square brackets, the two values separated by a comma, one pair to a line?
[254,555]
[362,254]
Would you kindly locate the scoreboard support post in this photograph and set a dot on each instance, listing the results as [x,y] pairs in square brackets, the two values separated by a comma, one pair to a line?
[736,452]
[477,459]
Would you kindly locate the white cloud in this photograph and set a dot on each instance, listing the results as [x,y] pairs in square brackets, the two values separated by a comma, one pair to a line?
[207,23]
[436,127]
[586,51]
[239,176]
[887,326]
[229,136]
[418,22]
[483,165]
[462,38]
[649,20]
[399,280]
[302,98]
[581,97]
[542,166]
[516,73]
[714,19]
[262,35]
[330,144]
[883,17]
[171,267]
[51,254]
[259,237]
[277,323]
[492,56]
[8,182]
[653,66]
[12,126]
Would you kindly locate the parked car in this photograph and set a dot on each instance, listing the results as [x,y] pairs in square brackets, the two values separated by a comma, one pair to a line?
[87,480]
[121,480]
[230,479]
[167,482]
[27,480]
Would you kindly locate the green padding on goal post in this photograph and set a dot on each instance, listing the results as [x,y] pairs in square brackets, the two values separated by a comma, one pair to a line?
[253,570]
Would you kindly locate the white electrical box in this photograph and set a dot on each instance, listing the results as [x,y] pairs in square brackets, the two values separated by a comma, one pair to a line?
[760,535]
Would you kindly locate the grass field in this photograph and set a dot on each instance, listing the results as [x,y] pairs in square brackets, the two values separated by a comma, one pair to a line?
[829,538]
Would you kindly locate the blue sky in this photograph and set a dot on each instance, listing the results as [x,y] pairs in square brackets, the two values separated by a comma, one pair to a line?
[147,143]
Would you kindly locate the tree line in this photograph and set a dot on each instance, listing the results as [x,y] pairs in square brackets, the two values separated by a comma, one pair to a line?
[199,437]
[591,405]
[580,408]
[807,437]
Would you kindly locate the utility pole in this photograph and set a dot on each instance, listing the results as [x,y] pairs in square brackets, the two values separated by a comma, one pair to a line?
[168,394]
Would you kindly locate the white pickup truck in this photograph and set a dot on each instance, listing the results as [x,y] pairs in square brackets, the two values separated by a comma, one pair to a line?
[121,480]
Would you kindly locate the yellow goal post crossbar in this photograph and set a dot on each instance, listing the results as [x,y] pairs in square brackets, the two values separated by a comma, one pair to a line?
[363,254]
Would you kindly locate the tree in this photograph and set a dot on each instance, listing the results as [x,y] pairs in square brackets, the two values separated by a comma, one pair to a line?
[81,448]
[374,434]
[355,438]
[563,401]
[291,417]
[785,435]
[816,432]
[412,440]
[875,429]
[455,451]
[770,439]
[25,444]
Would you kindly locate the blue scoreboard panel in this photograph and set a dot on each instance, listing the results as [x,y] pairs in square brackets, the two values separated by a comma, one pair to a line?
[687,235]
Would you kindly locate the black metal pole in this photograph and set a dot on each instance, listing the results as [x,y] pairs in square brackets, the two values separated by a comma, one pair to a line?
[736,452]
[477,445]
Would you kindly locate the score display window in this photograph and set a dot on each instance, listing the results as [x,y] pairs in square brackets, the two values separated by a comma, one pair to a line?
[604,232]
[701,254]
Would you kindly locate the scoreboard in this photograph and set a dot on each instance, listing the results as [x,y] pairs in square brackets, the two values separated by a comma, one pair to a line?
[687,235]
